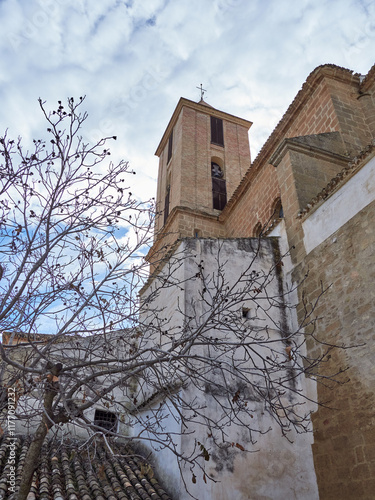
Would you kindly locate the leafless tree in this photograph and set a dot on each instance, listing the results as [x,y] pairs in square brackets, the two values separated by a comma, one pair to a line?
[78,337]
[71,239]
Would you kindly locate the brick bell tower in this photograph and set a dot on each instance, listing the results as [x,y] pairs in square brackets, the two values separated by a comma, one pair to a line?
[203,155]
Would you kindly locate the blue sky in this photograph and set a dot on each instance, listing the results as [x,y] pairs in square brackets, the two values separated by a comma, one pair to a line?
[135,59]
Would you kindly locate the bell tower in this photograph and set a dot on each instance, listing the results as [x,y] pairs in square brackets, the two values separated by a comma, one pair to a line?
[203,155]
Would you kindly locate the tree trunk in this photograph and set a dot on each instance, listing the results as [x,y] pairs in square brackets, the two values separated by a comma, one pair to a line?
[31,460]
[48,421]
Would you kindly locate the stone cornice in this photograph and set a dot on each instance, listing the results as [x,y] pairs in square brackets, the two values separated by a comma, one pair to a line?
[309,150]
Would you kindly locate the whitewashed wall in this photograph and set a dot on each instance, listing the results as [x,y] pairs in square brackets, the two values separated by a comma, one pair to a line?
[273,468]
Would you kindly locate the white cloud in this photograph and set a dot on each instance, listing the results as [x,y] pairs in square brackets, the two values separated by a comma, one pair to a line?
[134,60]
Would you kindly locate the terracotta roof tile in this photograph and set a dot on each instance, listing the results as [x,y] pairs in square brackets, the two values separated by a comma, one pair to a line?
[66,472]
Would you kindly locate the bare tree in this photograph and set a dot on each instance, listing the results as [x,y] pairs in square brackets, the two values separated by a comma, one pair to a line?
[72,244]
[71,238]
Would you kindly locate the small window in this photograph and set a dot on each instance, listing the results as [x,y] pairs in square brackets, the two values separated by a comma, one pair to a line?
[217,135]
[219,188]
[277,209]
[105,419]
[246,313]
[170,146]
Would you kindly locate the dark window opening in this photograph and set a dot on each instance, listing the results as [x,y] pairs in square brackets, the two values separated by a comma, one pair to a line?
[219,187]
[277,210]
[105,419]
[170,145]
[166,204]
[245,312]
[217,134]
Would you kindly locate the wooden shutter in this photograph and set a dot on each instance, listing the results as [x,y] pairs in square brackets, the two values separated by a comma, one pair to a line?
[219,193]
[217,134]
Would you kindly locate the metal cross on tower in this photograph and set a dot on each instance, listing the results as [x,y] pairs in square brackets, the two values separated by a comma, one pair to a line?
[202,91]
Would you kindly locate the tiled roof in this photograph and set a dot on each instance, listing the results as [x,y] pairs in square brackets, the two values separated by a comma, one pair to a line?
[67,473]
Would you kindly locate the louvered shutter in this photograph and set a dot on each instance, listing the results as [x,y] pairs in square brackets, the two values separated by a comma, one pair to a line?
[217,134]
[219,193]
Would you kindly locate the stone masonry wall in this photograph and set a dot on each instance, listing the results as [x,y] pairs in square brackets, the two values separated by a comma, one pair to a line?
[353,124]
[344,447]
[317,116]
[169,173]
[367,99]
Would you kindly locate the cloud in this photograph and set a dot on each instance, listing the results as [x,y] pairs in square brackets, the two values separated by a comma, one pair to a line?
[135,59]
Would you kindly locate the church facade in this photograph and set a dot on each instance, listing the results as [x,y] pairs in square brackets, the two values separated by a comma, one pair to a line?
[312,186]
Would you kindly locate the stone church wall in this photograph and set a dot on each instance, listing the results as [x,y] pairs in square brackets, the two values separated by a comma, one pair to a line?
[255,206]
[343,264]
[322,106]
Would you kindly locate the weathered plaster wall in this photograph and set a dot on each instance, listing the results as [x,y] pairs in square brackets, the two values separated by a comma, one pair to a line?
[272,468]
[162,458]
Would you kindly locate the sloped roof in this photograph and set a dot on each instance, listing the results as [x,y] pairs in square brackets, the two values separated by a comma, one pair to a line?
[204,103]
[67,472]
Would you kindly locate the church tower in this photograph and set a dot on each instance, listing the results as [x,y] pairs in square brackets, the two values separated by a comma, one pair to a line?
[203,155]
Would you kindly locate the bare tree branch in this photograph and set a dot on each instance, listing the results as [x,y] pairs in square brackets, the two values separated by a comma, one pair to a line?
[77,337]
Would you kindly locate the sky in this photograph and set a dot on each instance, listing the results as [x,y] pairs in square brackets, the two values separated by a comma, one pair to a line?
[134,59]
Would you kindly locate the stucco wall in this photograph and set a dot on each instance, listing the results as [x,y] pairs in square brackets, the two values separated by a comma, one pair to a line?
[271,467]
